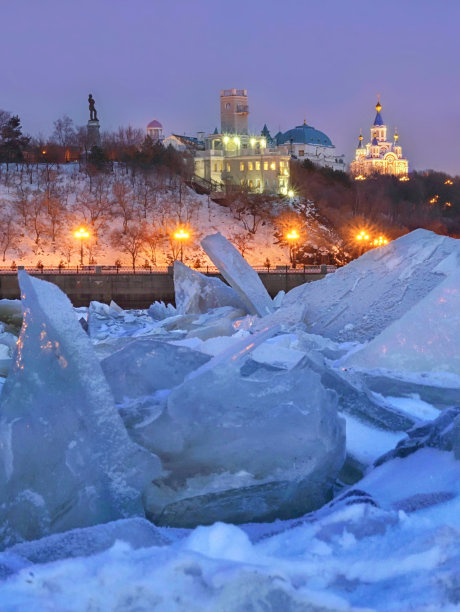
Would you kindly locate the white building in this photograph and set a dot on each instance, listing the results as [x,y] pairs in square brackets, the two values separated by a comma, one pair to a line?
[305,142]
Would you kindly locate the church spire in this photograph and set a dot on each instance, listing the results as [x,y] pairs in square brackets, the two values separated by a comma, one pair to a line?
[378,117]
[396,136]
[360,140]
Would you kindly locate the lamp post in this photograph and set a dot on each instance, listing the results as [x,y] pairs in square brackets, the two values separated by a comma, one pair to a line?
[292,238]
[81,234]
[181,235]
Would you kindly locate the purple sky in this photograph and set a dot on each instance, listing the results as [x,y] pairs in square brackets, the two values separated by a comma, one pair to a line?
[168,59]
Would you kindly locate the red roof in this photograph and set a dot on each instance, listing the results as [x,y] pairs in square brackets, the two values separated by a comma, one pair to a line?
[154,124]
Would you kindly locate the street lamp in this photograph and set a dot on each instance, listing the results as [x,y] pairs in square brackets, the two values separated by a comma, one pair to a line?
[292,238]
[81,234]
[181,235]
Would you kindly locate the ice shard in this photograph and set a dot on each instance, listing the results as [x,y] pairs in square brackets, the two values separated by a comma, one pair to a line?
[358,301]
[145,366]
[238,274]
[66,459]
[424,339]
[197,293]
[252,448]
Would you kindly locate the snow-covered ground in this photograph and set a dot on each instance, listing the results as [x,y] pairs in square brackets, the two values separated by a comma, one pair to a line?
[49,205]
[206,457]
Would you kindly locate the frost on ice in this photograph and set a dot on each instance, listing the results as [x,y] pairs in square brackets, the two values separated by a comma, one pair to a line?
[197,293]
[238,273]
[65,458]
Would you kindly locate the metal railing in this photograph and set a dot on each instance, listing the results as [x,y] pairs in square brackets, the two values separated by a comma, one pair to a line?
[96,269]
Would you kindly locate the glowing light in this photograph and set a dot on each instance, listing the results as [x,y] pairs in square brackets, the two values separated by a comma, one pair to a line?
[81,233]
[253,142]
[448,204]
[360,177]
[290,193]
[181,235]
[448,182]
[434,199]
[293,235]
[236,140]
[263,143]
[404,178]
[226,139]
[44,152]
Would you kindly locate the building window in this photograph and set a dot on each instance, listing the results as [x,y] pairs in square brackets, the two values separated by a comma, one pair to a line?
[301,152]
[221,166]
[250,166]
[215,167]
[242,166]
[281,164]
[251,184]
[265,165]
[228,167]
[273,166]
[257,165]
[258,183]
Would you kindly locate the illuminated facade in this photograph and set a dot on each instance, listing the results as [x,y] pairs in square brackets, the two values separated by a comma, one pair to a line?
[380,155]
[234,159]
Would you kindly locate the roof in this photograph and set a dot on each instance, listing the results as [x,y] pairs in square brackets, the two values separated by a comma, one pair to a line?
[378,119]
[304,134]
[154,124]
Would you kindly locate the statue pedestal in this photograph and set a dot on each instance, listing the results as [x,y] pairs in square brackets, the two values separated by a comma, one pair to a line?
[94,136]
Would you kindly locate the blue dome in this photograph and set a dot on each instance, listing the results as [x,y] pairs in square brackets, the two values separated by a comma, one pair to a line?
[304,134]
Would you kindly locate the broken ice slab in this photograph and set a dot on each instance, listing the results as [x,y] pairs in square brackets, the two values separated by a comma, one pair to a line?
[361,299]
[197,293]
[159,311]
[238,274]
[425,339]
[145,365]
[66,459]
[11,315]
[251,449]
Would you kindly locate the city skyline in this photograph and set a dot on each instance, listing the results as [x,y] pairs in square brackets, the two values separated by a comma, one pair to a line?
[325,64]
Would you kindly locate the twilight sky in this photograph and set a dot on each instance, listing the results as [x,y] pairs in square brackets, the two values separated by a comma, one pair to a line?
[168,59]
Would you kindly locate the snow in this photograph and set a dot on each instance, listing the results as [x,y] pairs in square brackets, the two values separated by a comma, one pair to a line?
[247,504]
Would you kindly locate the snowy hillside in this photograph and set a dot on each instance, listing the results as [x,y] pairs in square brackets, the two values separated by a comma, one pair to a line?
[41,207]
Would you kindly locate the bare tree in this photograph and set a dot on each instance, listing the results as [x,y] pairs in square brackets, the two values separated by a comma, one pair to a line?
[64,132]
[9,232]
[154,239]
[242,240]
[132,241]
[123,202]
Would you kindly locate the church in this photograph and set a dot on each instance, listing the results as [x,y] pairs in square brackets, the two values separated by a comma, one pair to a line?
[379,156]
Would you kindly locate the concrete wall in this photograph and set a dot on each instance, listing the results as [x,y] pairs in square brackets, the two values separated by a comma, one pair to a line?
[136,291]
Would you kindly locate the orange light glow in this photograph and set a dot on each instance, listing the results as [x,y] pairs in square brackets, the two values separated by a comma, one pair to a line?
[181,234]
[81,233]
[293,235]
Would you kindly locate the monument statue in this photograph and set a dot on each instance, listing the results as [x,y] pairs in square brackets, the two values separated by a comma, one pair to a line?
[92,109]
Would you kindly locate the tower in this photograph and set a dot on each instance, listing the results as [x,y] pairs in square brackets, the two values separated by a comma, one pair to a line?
[379,129]
[234,111]
[379,156]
